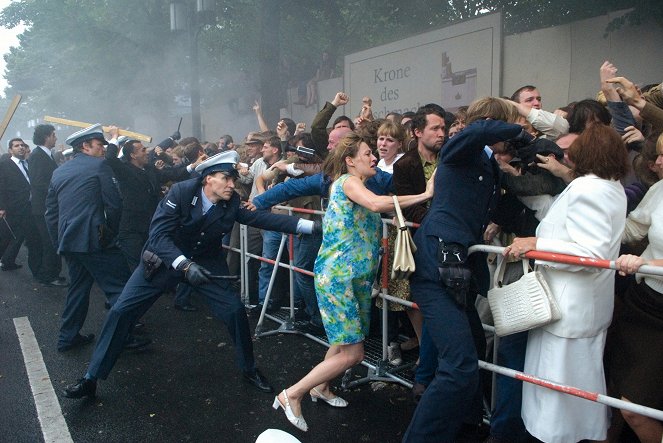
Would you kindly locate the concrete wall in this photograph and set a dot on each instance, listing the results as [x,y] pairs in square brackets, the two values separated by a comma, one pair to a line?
[563,61]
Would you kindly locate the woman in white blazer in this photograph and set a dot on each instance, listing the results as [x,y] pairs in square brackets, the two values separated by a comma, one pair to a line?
[587,219]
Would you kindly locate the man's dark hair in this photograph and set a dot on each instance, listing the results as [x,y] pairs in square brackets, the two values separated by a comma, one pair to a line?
[188,140]
[344,118]
[41,133]
[515,97]
[9,145]
[587,111]
[419,119]
[128,148]
[192,151]
[274,142]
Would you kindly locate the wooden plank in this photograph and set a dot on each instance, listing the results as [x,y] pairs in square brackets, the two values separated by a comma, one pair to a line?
[9,114]
[78,124]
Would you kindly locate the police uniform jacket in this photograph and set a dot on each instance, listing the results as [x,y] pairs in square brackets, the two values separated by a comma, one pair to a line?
[83,204]
[466,193]
[180,228]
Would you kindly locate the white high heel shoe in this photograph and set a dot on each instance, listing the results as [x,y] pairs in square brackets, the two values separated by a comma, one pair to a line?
[299,422]
[336,402]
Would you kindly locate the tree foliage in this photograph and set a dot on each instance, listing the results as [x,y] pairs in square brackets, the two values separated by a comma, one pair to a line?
[117,58]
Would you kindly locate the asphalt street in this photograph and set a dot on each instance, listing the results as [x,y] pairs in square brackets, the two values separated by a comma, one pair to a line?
[184,387]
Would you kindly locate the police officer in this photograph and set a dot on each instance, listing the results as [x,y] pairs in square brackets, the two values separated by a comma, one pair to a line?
[185,245]
[83,208]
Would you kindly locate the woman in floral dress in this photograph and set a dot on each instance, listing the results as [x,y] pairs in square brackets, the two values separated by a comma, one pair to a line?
[344,270]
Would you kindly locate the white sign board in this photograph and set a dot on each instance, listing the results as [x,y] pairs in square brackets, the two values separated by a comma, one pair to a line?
[450,66]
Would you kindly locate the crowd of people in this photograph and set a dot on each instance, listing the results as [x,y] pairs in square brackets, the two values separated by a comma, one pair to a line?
[583,180]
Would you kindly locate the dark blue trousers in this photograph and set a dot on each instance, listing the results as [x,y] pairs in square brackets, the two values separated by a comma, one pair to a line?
[306,251]
[450,396]
[108,268]
[139,295]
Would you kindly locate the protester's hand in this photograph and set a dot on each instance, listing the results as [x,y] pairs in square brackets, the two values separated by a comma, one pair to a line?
[256,106]
[629,264]
[114,132]
[301,127]
[159,164]
[158,151]
[632,135]
[250,206]
[282,130]
[628,91]
[607,71]
[281,165]
[507,168]
[340,99]
[520,246]
[550,163]
[430,185]
[491,231]
[199,160]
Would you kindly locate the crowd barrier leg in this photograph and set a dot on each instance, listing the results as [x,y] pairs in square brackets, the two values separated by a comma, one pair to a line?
[268,295]
[244,285]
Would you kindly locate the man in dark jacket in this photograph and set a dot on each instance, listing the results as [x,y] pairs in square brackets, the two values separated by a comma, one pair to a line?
[83,209]
[41,166]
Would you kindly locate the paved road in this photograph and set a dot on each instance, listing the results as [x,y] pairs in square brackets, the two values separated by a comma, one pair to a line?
[185,387]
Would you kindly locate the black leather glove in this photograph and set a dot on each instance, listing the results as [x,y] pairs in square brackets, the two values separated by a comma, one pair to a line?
[194,273]
[521,140]
[317,227]
[176,136]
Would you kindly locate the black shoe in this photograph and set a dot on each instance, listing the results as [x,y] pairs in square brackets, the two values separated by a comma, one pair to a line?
[258,380]
[79,340]
[83,388]
[134,342]
[186,308]
[10,267]
[55,283]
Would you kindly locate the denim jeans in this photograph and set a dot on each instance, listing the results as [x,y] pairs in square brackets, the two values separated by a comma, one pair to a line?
[270,247]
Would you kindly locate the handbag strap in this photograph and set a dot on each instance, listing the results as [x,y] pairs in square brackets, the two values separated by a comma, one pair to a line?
[501,268]
[399,214]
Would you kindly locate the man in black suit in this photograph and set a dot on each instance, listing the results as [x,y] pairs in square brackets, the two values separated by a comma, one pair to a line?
[83,210]
[41,166]
[15,208]
[140,186]
[185,245]
[466,193]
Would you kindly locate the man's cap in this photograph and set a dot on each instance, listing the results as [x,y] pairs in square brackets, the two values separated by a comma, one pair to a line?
[253,141]
[90,133]
[222,162]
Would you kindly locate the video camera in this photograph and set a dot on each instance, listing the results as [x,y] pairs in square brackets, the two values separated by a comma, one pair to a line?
[305,154]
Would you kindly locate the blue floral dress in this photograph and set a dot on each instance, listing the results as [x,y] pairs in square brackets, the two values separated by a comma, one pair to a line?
[345,267]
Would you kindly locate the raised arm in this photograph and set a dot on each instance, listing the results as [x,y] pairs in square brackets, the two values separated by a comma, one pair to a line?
[357,192]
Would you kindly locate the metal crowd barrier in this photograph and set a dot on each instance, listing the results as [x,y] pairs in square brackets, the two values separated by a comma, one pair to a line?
[381,370]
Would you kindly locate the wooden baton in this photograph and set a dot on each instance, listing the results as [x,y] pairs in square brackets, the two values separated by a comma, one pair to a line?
[64,121]
[9,114]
